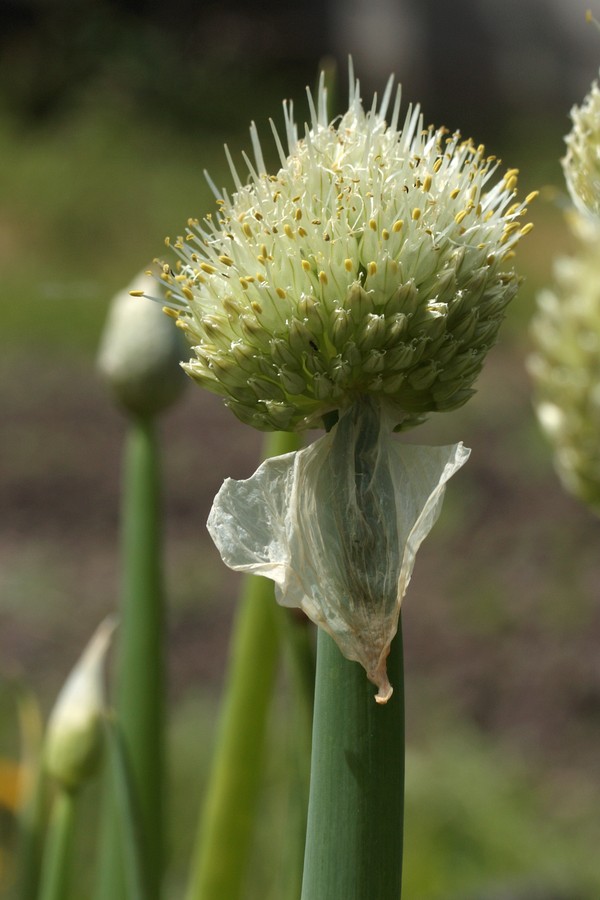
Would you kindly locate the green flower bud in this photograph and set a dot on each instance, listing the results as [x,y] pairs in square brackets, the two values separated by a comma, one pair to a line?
[373,239]
[73,741]
[141,351]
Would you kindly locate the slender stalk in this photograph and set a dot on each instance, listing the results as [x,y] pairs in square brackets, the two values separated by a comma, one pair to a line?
[140,684]
[129,830]
[31,818]
[58,851]
[301,647]
[355,815]
[226,826]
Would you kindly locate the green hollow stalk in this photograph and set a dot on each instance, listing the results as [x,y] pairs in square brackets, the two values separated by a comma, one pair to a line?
[31,815]
[227,822]
[140,684]
[355,816]
[56,865]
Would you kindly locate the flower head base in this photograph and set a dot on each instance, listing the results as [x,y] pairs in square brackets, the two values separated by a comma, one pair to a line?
[581,164]
[372,263]
[566,365]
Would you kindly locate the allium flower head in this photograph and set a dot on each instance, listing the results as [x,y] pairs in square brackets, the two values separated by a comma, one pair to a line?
[374,262]
[566,365]
[581,164]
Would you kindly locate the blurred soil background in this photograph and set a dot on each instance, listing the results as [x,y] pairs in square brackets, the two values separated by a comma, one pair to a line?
[109,112]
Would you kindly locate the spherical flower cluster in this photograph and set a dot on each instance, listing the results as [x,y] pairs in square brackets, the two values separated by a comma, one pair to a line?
[374,262]
[566,366]
[581,164]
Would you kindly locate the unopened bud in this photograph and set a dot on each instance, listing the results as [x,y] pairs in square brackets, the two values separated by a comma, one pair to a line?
[74,735]
[140,351]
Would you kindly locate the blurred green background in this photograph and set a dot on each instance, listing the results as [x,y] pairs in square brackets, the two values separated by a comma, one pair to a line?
[109,112]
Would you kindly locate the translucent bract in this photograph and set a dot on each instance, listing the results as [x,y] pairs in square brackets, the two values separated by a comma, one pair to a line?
[337,527]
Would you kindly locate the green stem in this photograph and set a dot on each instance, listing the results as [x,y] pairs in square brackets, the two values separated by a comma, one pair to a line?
[58,851]
[226,826]
[299,637]
[355,815]
[31,818]
[128,817]
[140,684]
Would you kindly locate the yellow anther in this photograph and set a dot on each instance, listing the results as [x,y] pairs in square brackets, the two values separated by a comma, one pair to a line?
[306,265]
[454,194]
[397,226]
[172,313]
[530,197]
[247,230]
[187,293]
[526,228]
[427,183]
[168,241]
[206,267]
[385,234]
[258,216]
[511,183]
[416,214]
[491,259]
[510,254]
[298,214]
[510,173]
[437,165]
[287,229]
[372,224]
[244,284]
[260,278]
[256,307]
[136,293]
[226,260]
[460,216]
[323,277]
[372,268]
[281,293]
[302,231]
[348,265]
